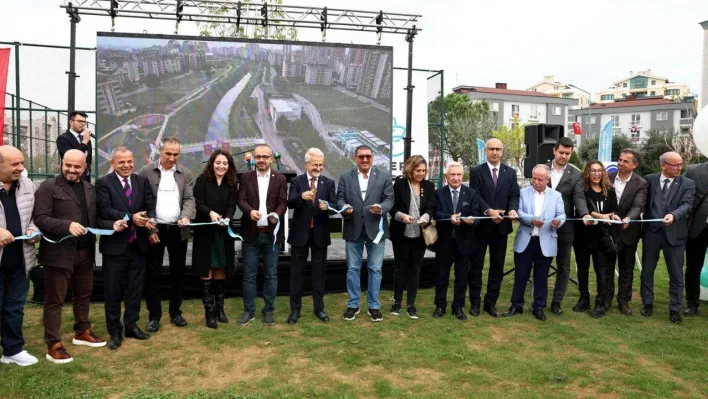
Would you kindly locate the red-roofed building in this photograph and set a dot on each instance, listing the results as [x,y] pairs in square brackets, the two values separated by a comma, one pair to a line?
[531,107]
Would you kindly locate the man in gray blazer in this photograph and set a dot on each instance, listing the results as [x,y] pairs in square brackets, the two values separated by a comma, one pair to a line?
[631,197]
[697,237]
[173,185]
[567,180]
[670,197]
[368,193]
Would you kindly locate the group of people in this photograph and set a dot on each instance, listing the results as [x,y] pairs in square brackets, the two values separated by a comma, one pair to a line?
[140,215]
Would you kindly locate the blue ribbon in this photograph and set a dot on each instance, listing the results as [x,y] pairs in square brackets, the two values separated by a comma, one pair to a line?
[98,232]
[338,211]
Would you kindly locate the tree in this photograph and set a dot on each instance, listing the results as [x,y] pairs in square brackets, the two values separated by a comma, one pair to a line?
[220,29]
[588,149]
[514,143]
[152,81]
[465,122]
[661,141]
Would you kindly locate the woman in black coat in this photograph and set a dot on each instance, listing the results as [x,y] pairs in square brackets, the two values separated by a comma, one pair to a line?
[413,208]
[215,194]
[602,204]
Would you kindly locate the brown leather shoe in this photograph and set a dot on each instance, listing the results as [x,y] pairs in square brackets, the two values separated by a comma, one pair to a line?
[58,355]
[625,309]
[88,338]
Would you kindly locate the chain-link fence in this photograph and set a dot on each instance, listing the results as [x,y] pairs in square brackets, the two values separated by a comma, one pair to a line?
[35,103]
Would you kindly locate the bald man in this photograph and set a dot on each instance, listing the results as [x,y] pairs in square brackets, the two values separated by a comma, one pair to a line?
[66,205]
[670,198]
[16,257]
[499,191]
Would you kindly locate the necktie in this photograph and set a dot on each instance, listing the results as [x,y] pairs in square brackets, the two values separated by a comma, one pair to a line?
[454,201]
[665,189]
[128,193]
[494,176]
[312,187]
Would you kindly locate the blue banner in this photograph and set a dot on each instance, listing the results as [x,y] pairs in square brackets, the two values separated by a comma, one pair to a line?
[604,153]
[480,151]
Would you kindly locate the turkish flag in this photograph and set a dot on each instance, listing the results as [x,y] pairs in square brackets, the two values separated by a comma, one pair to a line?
[4,64]
[576,129]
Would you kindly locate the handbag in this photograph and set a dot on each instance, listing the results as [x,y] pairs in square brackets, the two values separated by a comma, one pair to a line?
[608,240]
[430,232]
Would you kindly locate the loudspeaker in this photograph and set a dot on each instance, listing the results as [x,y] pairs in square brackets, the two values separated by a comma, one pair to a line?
[540,140]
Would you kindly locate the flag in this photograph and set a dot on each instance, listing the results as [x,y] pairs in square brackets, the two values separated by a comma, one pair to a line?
[480,151]
[604,153]
[4,64]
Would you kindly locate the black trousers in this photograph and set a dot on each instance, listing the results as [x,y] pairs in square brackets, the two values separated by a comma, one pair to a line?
[531,258]
[298,259]
[408,257]
[170,238]
[626,260]
[604,264]
[123,281]
[444,258]
[497,256]
[695,256]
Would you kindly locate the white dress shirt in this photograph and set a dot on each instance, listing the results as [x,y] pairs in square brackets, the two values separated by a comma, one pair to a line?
[556,176]
[78,139]
[263,181]
[363,182]
[620,185]
[538,200]
[491,167]
[168,206]
[122,183]
[661,181]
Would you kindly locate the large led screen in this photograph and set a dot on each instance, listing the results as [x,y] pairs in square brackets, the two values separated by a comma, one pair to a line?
[235,94]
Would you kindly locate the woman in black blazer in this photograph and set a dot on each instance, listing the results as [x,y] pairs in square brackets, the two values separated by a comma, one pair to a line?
[215,194]
[413,208]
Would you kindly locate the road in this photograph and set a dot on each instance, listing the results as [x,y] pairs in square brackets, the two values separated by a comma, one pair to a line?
[219,124]
[314,115]
[270,135]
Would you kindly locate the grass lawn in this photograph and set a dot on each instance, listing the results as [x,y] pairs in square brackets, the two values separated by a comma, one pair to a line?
[568,356]
[337,108]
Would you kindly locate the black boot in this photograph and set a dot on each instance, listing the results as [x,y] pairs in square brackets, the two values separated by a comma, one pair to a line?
[599,310]
[582,305]
[209,303]
[219,294]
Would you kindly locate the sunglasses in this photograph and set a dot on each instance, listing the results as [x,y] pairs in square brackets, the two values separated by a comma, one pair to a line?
[364,156]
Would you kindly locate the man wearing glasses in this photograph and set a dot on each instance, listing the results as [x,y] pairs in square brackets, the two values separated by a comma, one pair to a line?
[670,198]
[261,193]
[174,186]
[368,193]
[309,231]
[77,138]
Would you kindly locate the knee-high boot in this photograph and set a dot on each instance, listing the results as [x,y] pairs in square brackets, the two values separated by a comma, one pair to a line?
[209,303]
[220,293]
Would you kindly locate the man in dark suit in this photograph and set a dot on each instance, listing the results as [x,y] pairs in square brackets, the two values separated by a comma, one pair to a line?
[77,138]
[367,191]
[697,238]
[261,193]
[499,196]
[567,180]
[66,205]
[309,194]
[119,194]
[456,239]
[670,197]
[631,193]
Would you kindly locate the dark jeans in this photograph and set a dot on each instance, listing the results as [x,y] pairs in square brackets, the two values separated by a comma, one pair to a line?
[653,243]
[298,259]
[532,257]
[444,258]
[14,286]
[260,245]
[497,255]
[603,262]
[56,282]
[626,260]
[124,275]
[565,245]
[408,256]
[170,238]
[695,257]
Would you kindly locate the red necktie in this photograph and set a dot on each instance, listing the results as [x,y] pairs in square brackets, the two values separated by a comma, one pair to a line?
[312,187]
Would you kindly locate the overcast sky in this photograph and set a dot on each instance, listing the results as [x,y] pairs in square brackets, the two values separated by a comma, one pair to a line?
[589,44]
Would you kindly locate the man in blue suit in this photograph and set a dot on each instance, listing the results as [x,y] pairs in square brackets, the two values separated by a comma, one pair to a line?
[367,191]
[309,194]
[499,191]
[456,239]
[670,197]
[541,213]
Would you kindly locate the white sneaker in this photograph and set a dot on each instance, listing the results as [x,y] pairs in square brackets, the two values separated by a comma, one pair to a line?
[21,359]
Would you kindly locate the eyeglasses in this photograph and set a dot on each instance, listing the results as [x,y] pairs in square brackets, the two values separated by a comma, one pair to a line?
[263,157]
[674,165]
[78,121]
[364,156]
[316,165]
[495,149]
[596,171]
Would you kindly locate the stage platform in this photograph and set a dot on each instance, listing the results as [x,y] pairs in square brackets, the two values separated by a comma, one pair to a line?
[336,274]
